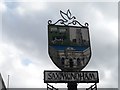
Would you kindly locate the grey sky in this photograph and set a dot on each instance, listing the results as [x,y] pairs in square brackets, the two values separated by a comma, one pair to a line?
[24,40]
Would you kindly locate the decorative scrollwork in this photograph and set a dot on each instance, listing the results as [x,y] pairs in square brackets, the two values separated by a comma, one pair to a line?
[49,22]
[67,19]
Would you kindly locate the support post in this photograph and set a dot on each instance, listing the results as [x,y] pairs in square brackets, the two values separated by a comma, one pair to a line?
[72,86]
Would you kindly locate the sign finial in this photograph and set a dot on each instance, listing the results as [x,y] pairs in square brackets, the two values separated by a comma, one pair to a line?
[67,19]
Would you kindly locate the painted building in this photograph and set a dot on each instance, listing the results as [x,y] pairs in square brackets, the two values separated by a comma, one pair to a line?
[75,35]
[79,58]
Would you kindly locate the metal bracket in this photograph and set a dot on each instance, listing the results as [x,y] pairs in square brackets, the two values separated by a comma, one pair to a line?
[92,87]
[50,87]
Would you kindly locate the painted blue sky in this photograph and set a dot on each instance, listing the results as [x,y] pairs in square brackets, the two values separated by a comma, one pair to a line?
[24,44]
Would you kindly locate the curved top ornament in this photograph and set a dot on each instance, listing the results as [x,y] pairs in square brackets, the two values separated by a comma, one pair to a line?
[67,19]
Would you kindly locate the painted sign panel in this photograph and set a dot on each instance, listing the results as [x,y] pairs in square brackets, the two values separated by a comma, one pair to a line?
[69,46]
[66,77]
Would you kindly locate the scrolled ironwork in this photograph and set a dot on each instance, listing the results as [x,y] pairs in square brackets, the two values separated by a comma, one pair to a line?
[67,19]
[49,21]
[86,24]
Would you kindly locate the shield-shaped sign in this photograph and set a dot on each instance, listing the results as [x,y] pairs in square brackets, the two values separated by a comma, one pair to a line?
[69,46]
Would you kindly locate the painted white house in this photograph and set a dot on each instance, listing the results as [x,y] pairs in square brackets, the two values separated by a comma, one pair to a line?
[2,84]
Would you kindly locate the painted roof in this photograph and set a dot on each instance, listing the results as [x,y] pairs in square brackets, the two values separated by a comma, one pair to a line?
[76,48]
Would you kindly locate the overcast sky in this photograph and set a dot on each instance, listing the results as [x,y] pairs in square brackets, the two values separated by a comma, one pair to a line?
[23,47]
